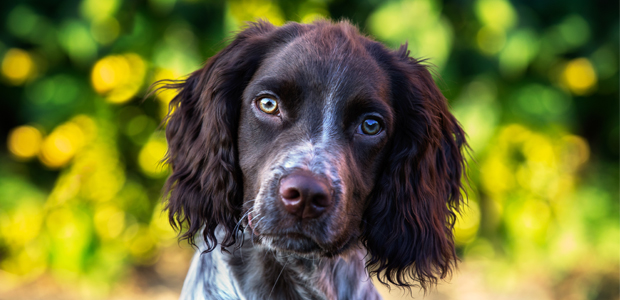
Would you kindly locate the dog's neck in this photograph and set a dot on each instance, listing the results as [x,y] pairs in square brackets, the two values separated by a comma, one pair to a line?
[280,275]
[253,272]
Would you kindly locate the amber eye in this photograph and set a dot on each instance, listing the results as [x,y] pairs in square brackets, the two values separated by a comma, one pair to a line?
[370,126]
[268,105]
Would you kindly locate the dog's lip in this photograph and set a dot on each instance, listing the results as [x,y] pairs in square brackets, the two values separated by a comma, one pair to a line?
[293,235]
[295,243]
[290,235]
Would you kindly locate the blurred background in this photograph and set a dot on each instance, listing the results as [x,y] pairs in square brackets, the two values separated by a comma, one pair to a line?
[534,83]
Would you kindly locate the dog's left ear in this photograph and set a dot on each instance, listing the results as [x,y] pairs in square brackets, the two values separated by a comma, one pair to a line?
[412,209]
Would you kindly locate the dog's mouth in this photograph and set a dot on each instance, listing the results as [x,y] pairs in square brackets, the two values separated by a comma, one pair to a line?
[294,243]
[291,241]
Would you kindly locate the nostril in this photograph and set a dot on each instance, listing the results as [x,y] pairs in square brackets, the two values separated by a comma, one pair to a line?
[291,194]
[321,200]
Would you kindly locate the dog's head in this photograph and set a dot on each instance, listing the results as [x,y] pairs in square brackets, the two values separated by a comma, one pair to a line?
[317,138]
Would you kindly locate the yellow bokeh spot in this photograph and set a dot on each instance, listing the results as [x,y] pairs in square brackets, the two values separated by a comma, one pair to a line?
[109,222]
[513,133]
[87,125]
[532,218]
[497,14]
[151,156]
[253,10]
[22,225]
[61,223]
[118,77]
[18,66]
[25,141]
[429,34]
[311,11]
[140,241]
[160,225]
[467,224]
[537,163]
[579,76]
[497,177]
[98,9]
[142,245]
[311,17]
[30,261]
[61,145]
[538,149]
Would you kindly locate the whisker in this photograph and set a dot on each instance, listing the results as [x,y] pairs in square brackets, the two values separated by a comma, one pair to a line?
[241,220]
[258,221]
[256,217]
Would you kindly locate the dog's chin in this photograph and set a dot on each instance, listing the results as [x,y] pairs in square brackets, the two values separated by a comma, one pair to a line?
[291,243]
[297,244]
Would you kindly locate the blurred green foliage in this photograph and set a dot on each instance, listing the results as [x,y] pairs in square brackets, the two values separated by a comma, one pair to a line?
[534,83]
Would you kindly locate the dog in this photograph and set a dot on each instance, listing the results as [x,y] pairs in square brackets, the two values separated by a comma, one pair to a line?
[307,158]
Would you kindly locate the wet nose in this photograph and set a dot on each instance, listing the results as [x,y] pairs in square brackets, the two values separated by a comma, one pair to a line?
[304,195]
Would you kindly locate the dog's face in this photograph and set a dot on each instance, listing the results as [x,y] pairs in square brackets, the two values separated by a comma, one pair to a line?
[316,139]
[314,123]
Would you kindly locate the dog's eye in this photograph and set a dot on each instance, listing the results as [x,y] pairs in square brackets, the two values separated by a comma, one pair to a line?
[370,127]
[268,105]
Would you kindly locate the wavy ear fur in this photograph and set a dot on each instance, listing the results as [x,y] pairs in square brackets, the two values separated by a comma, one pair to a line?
[205,188]
[413,207]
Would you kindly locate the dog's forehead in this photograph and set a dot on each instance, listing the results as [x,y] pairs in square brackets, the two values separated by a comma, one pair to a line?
[328,59]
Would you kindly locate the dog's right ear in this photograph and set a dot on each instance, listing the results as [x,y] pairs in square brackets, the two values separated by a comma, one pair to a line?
[205,188]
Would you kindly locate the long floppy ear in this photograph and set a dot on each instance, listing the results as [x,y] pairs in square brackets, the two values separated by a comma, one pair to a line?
[412,210]
[205,188]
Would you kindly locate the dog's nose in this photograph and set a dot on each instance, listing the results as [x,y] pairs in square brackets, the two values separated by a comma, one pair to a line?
[305,196]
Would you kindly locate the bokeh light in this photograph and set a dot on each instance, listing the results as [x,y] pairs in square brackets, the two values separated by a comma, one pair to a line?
[244,10]
[420,23]
[109,222]
[98,9]
[496,14]
[25,141]
[118,77]
[22,21]
[151,157]
[75,38]
[468,224]
[61,145]
[579,76]
[521,47]
[575,30]
[18,66]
